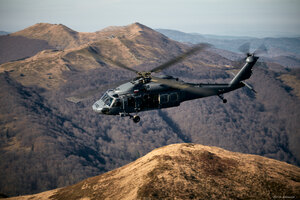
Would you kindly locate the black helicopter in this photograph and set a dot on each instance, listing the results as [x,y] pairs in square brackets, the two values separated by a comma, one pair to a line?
[147,92]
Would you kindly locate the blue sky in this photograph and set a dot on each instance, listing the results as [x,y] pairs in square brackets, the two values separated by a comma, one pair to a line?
[260,18]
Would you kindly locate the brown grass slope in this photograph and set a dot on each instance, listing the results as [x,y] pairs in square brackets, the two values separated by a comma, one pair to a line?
[189,171]
[57,35]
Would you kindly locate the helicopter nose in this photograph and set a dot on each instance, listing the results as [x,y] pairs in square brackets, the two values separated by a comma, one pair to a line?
[97,108]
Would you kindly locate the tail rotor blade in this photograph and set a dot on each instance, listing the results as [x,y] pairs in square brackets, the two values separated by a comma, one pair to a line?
[262,49]
[245,48]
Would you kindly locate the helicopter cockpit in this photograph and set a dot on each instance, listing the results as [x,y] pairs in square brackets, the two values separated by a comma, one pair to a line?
[107,103]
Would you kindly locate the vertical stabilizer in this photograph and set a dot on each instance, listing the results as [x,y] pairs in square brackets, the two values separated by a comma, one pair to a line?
[246,70]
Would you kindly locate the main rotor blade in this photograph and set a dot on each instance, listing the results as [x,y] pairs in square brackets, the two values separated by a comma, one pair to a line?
[183,86]
[121,65]
[171,83]
[97,55]
[199,47]
[88,94]
[82,96]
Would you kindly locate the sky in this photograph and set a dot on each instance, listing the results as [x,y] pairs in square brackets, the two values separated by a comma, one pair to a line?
[258,18]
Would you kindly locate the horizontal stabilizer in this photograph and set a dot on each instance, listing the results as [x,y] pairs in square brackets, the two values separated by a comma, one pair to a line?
[249,86]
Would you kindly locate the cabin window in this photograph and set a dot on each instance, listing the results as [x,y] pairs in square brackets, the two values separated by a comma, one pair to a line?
[164,98]
[173,97]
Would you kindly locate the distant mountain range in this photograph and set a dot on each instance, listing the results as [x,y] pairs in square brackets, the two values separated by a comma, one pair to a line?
[285,51]
[3,33]
[188,171]
[48,142]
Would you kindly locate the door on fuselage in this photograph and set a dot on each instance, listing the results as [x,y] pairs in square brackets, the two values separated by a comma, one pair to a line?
[150,101]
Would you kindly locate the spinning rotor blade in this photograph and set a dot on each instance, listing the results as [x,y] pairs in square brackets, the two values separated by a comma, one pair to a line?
[179,58]
[262,49]
[82,96]
[245,48]
[171,83]
[182,86]
[88,94]
[97,55]
[121,65]
[199,47]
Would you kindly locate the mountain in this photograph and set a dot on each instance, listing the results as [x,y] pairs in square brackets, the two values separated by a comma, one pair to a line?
[61,37]
[48,142]
[57,35]
[4,33]
[30,41]
[41,36]
[284,50]
[188,171]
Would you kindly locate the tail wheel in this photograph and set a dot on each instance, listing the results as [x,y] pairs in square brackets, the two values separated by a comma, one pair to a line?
[136,118]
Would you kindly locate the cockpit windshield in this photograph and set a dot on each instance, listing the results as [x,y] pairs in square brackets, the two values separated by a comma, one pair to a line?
[107,99]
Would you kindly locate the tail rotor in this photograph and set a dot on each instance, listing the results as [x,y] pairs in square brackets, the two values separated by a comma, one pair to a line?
[245,49]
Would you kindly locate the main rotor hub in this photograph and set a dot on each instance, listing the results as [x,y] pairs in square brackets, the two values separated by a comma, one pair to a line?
[144,74]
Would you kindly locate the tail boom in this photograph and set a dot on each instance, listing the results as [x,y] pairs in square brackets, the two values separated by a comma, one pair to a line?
[246,70]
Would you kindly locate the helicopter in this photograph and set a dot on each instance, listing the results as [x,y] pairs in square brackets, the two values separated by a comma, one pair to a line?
[147,92]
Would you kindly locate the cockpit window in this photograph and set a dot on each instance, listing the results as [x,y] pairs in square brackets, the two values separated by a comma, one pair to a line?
[107,99]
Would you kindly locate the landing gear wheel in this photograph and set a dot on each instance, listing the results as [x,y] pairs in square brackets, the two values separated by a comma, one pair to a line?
[136,118]
[223,99]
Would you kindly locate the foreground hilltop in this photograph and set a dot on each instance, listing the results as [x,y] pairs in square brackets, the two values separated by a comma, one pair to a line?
[188,171]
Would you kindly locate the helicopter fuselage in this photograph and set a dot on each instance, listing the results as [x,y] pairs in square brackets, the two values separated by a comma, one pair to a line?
[136,96]
[147,92]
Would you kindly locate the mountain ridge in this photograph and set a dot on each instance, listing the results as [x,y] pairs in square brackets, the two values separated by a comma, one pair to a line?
[283,47]
[49,32]
[62,37]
